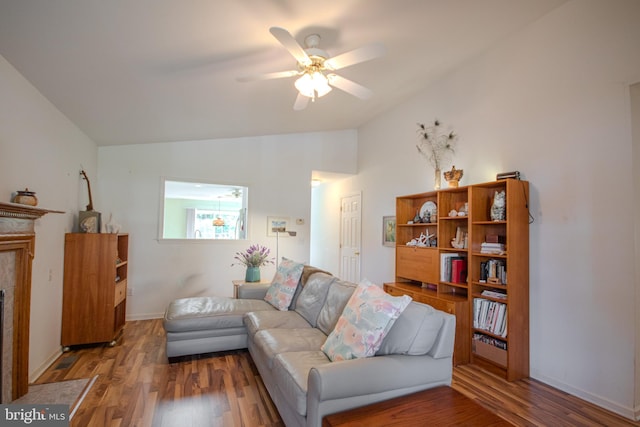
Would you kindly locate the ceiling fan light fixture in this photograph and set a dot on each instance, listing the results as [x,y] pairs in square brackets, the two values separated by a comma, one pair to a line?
[313,84]
[315,67]
[321,84]
[305,85]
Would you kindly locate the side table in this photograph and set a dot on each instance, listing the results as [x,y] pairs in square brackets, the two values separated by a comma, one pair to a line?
[238,282]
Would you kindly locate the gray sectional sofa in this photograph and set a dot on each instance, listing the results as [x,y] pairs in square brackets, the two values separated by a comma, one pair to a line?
[304,384]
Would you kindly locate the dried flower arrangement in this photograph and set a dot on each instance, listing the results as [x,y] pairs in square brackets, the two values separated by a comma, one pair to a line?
[435,146]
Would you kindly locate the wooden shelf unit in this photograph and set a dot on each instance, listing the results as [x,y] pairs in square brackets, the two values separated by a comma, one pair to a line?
[512,363]
[95,287]
[419,269]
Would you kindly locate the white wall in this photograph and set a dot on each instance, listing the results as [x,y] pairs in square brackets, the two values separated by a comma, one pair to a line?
[552,102]
[635,118]
[277,169]
[41,149]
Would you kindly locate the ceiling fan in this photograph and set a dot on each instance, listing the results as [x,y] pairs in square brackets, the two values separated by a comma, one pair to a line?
[315,68]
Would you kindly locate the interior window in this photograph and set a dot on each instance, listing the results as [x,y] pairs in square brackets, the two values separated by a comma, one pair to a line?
[199,210]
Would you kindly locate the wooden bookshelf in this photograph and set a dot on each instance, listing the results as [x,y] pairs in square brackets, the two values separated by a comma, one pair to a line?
[422,270]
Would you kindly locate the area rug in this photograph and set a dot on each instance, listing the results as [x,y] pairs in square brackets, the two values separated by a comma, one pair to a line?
[71,392]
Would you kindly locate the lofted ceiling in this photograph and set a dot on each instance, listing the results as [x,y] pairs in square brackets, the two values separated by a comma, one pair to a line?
[139,71]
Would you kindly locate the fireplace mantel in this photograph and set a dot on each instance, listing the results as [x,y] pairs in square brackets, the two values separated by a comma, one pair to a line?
[17,243]
[17,218]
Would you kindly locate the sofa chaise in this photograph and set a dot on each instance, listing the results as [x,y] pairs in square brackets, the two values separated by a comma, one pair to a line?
[303,353]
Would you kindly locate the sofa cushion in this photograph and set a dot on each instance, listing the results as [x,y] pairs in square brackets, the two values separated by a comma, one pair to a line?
[414,332]
[337,297]
[259,320]
[307,271]
[365,321]
[291,372]
[271,342]
[313,296]
[284,284]
[203,313]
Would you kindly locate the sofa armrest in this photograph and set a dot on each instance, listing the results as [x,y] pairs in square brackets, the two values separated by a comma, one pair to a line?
[349,384]
[377,374]
[257,291]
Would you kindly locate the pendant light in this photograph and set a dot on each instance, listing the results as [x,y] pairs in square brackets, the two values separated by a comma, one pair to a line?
[218,222]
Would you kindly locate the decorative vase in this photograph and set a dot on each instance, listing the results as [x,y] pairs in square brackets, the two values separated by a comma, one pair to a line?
[438,178]
[453,177]
[252,275]
[26,197]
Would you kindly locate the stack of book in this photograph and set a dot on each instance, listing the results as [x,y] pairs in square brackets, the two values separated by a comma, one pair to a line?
[492,248]
[453,268]
[490,340]
[494,294]
[490,316]
[493,271]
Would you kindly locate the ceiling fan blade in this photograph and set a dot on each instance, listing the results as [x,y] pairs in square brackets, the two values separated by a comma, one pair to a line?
[267,76]
[290,43]
[349,86]
[301,102]
[356,56]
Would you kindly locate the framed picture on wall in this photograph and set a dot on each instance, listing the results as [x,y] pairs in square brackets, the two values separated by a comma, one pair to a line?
[389,230]
[277,224]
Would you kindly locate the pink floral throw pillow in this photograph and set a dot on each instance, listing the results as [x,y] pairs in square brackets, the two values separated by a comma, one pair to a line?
[284,284]
[364,323]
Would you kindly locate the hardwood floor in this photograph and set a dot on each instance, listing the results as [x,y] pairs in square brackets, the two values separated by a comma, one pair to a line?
[136,386]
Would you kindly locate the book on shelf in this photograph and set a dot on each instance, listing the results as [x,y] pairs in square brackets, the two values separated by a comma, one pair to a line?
[445,265]
[494,294]
[490,340]
[458,270]
[453,268]
[492,248]
[490,316]
[493,271]
[483,272]
[494,238]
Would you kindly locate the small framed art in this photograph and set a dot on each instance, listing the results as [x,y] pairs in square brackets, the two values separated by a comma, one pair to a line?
[277,224]
[389,230]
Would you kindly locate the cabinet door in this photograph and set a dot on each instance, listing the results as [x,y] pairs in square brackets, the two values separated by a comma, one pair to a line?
[419,264]
[88,296]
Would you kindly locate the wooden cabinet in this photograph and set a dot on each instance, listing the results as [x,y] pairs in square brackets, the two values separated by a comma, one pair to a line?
[448,268]
[95,287]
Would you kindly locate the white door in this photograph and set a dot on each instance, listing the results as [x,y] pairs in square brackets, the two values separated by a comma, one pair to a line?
[350,232]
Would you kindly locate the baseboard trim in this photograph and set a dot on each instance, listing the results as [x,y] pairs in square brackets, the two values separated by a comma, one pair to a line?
[146,316]
[627,412]
[33,376]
